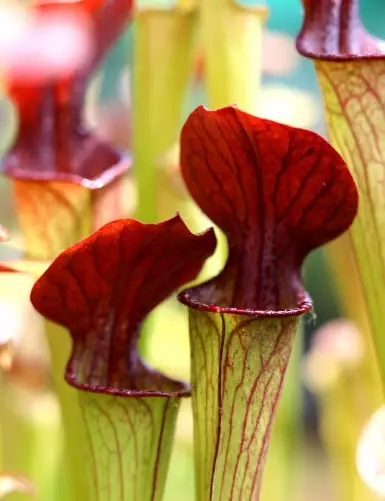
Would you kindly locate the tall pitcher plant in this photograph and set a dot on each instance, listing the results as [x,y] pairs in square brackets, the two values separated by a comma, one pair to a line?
[350,66]
[277,193]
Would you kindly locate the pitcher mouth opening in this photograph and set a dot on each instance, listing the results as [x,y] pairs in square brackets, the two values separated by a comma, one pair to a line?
[190,298]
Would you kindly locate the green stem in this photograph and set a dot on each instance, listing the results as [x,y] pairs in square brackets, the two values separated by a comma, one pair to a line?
[30,438]
[30,428]
[163,42]
[60,348]
[238,370]
[346,279]
[129,443]
[162,65]
[344,407]
[233,66]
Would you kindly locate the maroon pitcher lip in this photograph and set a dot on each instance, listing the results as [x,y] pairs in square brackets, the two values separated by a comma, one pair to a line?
[100,180]
[186,297]
[332,31]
